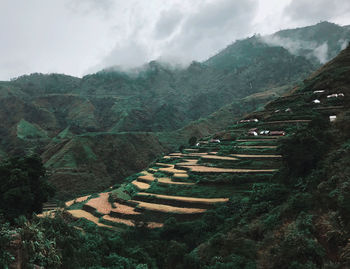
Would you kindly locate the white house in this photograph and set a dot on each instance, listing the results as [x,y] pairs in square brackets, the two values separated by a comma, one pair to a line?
[332,118]
[316,101]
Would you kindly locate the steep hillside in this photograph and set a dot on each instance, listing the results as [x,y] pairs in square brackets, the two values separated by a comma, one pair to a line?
[318,43]
[272,192]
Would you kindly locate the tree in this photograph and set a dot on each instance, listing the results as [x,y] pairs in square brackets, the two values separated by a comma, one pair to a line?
[192,141]
[24,187]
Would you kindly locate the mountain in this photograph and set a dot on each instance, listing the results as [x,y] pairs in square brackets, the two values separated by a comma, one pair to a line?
[54,115]
[318,43]
[269,191]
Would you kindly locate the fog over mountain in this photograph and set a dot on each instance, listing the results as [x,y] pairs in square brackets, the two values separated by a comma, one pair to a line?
[80,37]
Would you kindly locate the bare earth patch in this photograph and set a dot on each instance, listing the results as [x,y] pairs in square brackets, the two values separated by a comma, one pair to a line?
[77,200]
[101,203]
[215,157]
[172,170]
[255,156]
[150,225]
[187,199]
[167,208]
[124,209]
[205,169]
[78,214]
[140,185]
[257,147]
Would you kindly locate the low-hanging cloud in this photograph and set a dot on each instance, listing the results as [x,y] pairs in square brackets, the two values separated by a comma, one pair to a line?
[77,36]
[183,36]
[310,11]
[209,29]
[297,47]
[168,22]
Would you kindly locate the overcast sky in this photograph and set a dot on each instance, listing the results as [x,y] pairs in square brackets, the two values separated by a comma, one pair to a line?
[77,37]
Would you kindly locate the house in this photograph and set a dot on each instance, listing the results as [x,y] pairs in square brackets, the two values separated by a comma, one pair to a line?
[316,101]
[215,141]
[276,111]
[277,133]
[335,95]
[248,120]
[319,91]
[252,133]
[288,110]
[264,132]
[332,118]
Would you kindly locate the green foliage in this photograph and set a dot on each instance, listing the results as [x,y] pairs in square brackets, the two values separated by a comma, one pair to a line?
[192,141]
[38,248]
[302,151]
[24,187]
[6,235]
[299,247]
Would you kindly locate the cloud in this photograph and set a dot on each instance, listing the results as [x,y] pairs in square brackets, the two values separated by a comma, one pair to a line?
[168,22]
[297,47]
[309,11]
[71,36]
[210,28]
[103,7]
[126,55]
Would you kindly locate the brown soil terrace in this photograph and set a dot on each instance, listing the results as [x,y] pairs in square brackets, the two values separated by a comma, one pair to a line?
[172,170]
[77,200]
[286,121]
[140,185]
[78,213]
[186,199]
[215,157]
[257,147]
[165,180]
[102,205]
[255,156]
[205,169]
[150,225]
[167,208]
[255,140]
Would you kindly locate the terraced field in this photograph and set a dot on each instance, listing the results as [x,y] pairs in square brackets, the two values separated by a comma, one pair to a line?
[186,184]
[175,186]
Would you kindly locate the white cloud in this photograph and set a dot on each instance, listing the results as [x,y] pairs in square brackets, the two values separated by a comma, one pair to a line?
[73,36]
[309,11]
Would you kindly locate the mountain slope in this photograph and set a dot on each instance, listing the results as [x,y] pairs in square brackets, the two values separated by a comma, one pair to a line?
[296,217]
[38,112]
